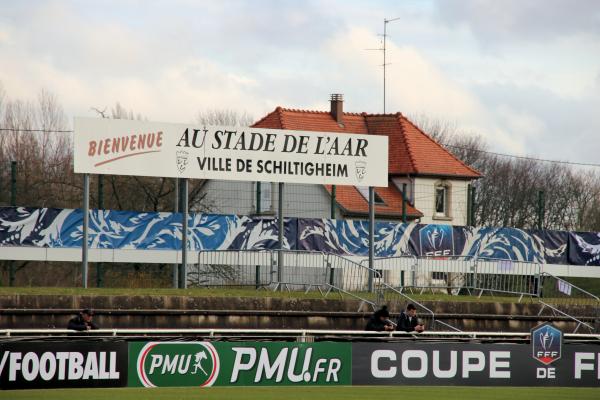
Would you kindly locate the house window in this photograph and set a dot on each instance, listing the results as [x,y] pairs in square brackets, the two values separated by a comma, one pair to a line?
[364,191]
[442,199]
[263,197]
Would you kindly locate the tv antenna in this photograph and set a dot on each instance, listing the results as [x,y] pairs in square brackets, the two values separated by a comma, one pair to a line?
[383,50]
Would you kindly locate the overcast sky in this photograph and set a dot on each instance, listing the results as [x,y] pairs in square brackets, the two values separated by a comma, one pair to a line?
[525,74]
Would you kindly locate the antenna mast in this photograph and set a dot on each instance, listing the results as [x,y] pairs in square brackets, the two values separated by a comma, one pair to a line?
[384,50]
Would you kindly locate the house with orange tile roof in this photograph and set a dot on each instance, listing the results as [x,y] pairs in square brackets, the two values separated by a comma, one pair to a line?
[436,181]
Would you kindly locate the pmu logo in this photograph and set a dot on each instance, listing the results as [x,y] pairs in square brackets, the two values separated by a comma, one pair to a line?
[546,342]
[436,240]
[162,364]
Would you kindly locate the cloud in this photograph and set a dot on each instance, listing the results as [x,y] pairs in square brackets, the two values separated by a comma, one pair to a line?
[506,70]
[97,63]
[549,125]
[415,85]
[495,21]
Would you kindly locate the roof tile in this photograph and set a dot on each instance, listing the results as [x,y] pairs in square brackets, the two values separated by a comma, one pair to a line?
[411,151]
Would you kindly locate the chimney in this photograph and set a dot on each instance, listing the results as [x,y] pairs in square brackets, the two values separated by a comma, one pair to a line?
[337,107]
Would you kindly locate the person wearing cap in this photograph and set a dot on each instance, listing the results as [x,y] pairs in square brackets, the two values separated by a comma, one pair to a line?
[380,321]
[83,321]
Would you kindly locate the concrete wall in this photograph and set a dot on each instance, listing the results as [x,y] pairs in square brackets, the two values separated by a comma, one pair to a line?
[54,311]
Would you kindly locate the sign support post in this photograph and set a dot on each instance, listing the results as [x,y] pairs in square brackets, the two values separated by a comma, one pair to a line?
[99,265]
[371,235]
[176,210]
[86,221]
[184,229]
[281,232]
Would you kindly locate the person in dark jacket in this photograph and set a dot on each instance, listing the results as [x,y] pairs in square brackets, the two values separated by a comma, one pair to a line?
[408,321]
[83,321]
[380,321]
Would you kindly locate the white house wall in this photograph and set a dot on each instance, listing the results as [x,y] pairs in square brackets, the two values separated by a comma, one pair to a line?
[235,197]
[425,200]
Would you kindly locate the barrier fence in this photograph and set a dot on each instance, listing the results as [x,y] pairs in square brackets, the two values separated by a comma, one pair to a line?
[394,280]
[558,298]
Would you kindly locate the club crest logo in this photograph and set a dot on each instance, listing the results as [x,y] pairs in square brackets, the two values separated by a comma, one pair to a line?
[361,169]
[182,160]
[164,364]
[546,343]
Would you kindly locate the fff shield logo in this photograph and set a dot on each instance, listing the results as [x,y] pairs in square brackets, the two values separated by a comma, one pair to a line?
[546,342]
[161,364]
[436,240]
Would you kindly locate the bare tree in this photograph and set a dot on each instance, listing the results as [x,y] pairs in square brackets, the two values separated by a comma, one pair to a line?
[225,117]
[32,137]
[2,96]
[507,194]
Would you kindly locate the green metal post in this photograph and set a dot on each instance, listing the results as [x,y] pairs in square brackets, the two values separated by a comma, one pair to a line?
[541,210]
[404,203]
[100,266]
[257,277]
[13,183]
[472,206]
[333,194]
[13,202]
[469,222]
[258,196]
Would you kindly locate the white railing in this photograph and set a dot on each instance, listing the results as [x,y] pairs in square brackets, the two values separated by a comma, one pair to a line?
[270,332]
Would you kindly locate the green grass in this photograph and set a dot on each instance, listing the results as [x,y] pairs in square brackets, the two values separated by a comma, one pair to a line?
[236,292]
[590,285]
[314,393]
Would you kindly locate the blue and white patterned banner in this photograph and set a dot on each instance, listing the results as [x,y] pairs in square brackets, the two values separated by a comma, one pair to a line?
[62,228]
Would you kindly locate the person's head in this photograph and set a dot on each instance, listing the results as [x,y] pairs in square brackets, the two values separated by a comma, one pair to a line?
[411,310]
[382,314]
[87,315]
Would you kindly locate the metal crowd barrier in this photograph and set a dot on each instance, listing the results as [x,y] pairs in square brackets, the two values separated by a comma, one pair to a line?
[233,268]
[459,274]
[302,270]
[558,296]
[518,278]
[393,280]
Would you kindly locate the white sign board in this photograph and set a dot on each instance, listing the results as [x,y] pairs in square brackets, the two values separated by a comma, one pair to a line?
[124,147]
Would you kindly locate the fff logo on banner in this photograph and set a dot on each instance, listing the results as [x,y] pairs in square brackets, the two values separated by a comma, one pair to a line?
[436,240]
[546,347]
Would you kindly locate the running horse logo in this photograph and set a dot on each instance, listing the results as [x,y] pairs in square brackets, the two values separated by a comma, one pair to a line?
[201,355]
[182,160]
